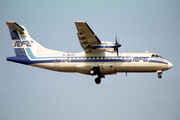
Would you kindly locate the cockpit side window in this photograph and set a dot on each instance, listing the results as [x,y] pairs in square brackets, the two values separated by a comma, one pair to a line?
[157,56]
[152,55]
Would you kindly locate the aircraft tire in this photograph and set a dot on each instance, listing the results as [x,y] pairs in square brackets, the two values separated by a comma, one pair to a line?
[159,76]
[97,80]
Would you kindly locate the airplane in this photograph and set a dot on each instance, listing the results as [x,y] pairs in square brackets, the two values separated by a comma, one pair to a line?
[99,58]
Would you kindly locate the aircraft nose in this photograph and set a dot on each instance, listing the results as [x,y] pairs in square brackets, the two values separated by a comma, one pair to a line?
[170,65]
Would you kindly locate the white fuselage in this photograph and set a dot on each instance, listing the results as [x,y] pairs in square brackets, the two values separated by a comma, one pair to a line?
[109,63]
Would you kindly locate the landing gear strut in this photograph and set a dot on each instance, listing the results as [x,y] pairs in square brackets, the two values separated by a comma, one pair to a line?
[96,71]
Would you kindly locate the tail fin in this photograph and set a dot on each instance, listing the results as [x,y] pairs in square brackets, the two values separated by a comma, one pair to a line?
[20,38]
[23,44]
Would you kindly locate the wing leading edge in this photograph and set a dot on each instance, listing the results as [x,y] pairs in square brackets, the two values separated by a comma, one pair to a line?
[86,36]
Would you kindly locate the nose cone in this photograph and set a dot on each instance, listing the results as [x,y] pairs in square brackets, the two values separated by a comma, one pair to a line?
[170,65]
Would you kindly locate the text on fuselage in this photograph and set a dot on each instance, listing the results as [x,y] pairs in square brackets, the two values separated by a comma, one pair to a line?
[69,55]
[137,59]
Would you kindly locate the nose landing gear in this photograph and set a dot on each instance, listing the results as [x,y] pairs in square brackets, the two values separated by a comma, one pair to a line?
[159,74]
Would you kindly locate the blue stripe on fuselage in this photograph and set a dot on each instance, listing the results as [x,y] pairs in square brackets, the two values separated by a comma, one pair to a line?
[25,59]
[156,61]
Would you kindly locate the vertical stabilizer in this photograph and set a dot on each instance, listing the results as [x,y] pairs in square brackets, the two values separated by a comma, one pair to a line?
[23,44]
[20,38]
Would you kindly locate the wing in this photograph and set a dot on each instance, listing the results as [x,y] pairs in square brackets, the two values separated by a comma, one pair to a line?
[86,36]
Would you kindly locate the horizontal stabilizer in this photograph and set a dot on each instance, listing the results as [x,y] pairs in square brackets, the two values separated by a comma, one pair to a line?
[14,26]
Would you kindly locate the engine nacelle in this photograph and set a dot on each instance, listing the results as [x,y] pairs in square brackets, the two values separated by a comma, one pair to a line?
[104,46]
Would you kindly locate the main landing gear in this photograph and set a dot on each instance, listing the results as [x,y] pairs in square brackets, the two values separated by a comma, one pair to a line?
[98,79]
[96,71]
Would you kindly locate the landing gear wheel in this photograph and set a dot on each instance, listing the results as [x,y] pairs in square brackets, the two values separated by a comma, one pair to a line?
[97,80]
[159,76]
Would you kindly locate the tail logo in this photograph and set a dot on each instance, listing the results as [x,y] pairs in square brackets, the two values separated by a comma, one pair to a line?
[21,43]
[23,34]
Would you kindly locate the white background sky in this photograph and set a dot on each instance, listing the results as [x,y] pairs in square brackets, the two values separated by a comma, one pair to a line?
[29,93]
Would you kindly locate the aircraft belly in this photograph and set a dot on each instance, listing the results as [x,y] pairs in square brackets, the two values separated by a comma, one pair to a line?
[58,67]
[83,68]
[67,67]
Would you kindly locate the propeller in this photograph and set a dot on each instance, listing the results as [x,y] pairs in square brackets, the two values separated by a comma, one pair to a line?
[117,45]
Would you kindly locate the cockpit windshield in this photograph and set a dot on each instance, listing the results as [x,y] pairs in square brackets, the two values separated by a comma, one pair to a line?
[156,56]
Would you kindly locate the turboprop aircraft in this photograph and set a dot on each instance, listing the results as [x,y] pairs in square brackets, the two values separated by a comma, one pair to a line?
[98,58]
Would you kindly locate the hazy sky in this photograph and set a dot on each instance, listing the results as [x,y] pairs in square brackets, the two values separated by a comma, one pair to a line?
[29,93]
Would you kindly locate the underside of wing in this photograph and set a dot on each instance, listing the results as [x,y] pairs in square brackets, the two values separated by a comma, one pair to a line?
[86,36]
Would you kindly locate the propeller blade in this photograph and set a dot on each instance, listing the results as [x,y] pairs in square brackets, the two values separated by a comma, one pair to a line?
[116,39]
[117,53]
[117,45]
